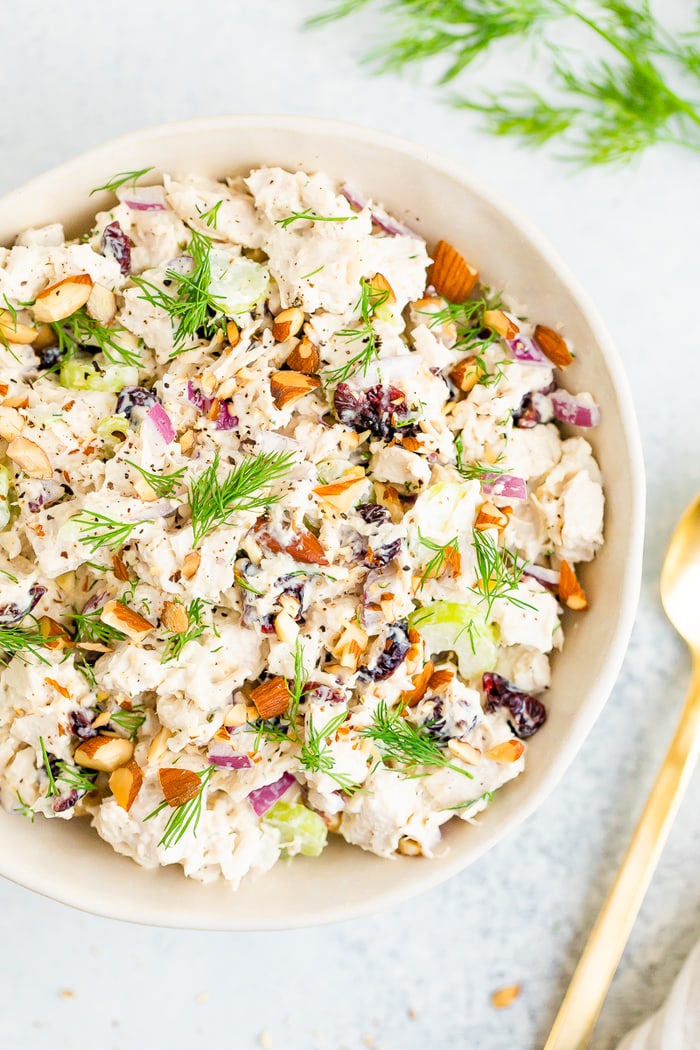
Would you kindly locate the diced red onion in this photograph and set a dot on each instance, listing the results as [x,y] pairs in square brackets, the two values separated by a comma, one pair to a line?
[225,420]
[146,198]
[354,198]
[571,409]
[230,761]
[12,613]
[525,349]
[545,576]
[379,217]
[96,602]
[264,798]
[161,421]
[508,486]
[50,492]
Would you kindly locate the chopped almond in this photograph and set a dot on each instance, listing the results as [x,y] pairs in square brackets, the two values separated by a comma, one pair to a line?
[420,685]
[387,496]
[19,400]
[58,687]
[497,321]
[102,304]
[29,457]
[12,423]
[451,275]
[104,753]
[380,285]
[467,374]
[158,745]
[570,590]
[352,642]
[119,568]
[304,547]
[14,332]
[287,323]
[179,785]
[465,751]
[304,358]
[409,847]
[440,680]
[190,564]
[62,299]
[286,627]
[343,494]
[505,996]
[174,617]
[508,751]
[288,387]
[271,698]
[553,346]
[60,639]
[126,620]
[232,333]
[125,784]
[492,517]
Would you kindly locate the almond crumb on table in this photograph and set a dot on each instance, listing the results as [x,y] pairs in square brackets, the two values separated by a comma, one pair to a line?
[503,997]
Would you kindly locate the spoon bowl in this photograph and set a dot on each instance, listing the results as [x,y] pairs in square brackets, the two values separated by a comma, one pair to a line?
[680,577]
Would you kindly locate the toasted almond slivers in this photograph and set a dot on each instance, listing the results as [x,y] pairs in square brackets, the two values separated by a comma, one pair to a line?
[126,620]
[287,323]
[497,321]
[492,517]
[451,275]
[409,847]
[179,785]
[286,629]
[104,753]
[58,687]
[125,784]
[570,590]
[174,617]
[62,299]
[467,374]
[271,698]
[30,457]
[465,751]
[158,745]
[505,996]
[553,346]
[420,685]
[288,387]
[102,304]
[508,751]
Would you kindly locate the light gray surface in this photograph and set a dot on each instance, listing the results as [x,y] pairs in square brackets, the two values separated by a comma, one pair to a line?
[75,74]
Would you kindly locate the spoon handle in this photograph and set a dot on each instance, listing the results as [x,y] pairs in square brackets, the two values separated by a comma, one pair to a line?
[578,1013]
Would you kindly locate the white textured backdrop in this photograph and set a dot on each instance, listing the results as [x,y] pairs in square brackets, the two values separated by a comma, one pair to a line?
[76,73]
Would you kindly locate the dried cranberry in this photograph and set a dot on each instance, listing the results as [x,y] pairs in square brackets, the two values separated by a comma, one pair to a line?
[323,694]
[64,802]
[381,410]
[526,415]
[436,724]
[267,624]
[49,356]
[373,514]
[131,397]
[12,613]
[527,713]
[396,647]
[116,243]
[377,558]
[80,725]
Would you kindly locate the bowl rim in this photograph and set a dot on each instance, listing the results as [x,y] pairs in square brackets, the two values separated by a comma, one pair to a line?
[132,910]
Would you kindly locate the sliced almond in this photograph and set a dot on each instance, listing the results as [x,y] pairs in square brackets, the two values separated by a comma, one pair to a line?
[126,620]
[387,496]
[236,715]
[286,323]
[174,617]
[12,423]
[382,288]
[13,331]
[102,304]
[467,373]
[29,457]
[288,387]
[58,687]
[179,785]
[498,322]
[20,400]
[411,443]
[553,346]
[286,628]
[190,564]
[232,333]
[125,784]
[570,590]
[304,358]
[304,548]
[351,643]
[409,847]
[420,685]
[186,441]
[119,569]
[343,494]
[440,680]
[271,698]
[451,275]
[464,751]
[508,751]
[505,996]
[492,517]
[56,632]
[63,298]
[104,753]
[158,745]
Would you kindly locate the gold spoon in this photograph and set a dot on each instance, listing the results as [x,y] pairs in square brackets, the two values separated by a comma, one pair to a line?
[680,596]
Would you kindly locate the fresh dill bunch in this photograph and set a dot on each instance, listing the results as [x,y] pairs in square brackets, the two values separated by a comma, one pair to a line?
[643,89]
[446,556]
[80,332]
[498,572]
[311,216]
[122,178]
[193,311]
[175,643]
[407,745]
[89,627]
[98,530]
[370,300]
[20,641]
[129,720]
[164,485]
[185,816]
[245,488]
[475,471]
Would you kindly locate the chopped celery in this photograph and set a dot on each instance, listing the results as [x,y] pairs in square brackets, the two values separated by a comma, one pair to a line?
[95,373]
[458,628]
[301,830]
[4,497]
[113,429]
[238,284]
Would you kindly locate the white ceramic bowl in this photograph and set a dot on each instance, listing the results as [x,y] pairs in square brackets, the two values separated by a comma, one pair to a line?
[67,861]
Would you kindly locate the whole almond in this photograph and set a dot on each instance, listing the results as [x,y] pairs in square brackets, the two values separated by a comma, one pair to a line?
[450,274]
[553,346]
[286,323]
[271,698]
[179,785]
[125,784]
[304,358]
[62,299]
[288,387]
[104,753]
[30,457]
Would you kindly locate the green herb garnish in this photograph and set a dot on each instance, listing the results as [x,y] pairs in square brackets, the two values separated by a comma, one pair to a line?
[475,471]
[370,300]
[79,331]
[446,556]
[185,816]
[130,721]
[18,641]
[52,788]
[122,178]
[24,808]
[175,643]
[90,628]
[498,572]
[97,530]
[164,485]
[211,215]
[405,744]
[311,216]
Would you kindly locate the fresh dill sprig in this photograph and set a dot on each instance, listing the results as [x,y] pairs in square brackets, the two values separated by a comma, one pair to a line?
[193,311]
[52,789]
[90,628]
[175,643]
[98,530]
[211,215]
[18,641]
[185,816]
[9,576]
[370,300]
[311,216]
[129,720]
[641,89]
[486,797]
[80,331]
[74,778]
[245,488]
[24,808]
[498,572]
[475,471]
[164,485]
[122,178]
[407,745]
[446,556]
[468,320]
